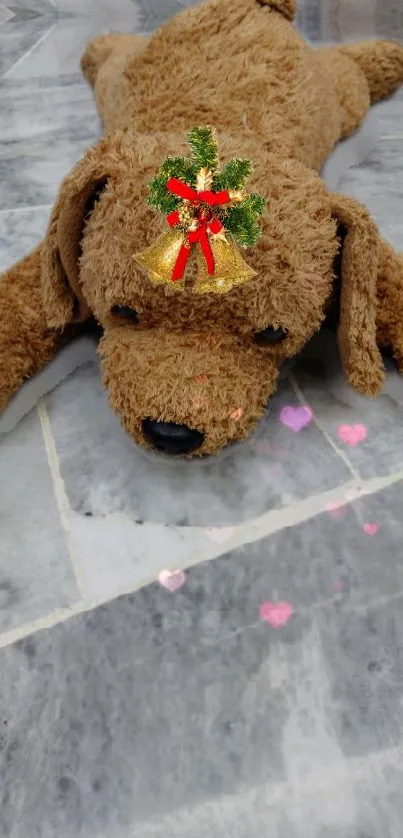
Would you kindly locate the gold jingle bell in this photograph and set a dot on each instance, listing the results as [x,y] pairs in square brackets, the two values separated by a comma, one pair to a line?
[160,258]
[230,269]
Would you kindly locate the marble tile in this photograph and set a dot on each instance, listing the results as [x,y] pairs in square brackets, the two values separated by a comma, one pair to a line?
[347,20]
[352,20]
[309,21]
[61,51]
[102,9]
[11,86]
[36,576]
[389,19]
[5,14]
[20,232]
[119,8]
[17,39]
[140,552]
[378,182]
[185,714]
[45,174]
[46,8]
[50,114]
[334,556]
[45,133]
[333,21]
[21,14]
[104,471]
[153,13]
[366,676]
[117,735]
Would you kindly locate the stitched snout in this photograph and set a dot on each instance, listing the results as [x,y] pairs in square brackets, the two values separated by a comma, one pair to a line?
[206,382]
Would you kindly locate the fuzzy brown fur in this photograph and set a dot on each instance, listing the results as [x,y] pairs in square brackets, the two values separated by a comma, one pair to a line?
[193,359]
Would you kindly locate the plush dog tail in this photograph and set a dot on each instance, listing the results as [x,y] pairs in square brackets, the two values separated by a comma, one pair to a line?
[381,62]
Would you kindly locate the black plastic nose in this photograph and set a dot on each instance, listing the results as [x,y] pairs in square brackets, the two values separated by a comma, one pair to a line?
[171,438]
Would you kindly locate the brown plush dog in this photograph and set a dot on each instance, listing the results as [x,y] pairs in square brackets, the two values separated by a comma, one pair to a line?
[190,372]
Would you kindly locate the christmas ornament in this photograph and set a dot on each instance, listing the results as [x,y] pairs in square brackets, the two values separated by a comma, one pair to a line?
[161,257]
[207,210]
[229,267]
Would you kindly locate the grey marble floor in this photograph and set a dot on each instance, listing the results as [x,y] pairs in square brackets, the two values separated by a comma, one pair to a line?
[225,664]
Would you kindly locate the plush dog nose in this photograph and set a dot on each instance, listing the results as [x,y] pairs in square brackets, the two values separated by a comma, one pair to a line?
[171,438]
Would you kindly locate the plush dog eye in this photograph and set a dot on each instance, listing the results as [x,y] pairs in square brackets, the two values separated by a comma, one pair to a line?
[125,312]
[271,335]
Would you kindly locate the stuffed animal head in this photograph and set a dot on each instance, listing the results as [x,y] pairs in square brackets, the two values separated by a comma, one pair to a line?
[189,373]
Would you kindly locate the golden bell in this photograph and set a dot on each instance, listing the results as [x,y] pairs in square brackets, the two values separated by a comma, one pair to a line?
[229,267]
[160,258]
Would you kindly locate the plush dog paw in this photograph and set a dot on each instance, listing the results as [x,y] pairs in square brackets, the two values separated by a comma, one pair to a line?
[26,344]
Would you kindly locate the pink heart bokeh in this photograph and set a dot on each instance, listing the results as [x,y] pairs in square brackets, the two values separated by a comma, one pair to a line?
[220,534]
[352,434]
[171,579]
[276,613]
[371,529]
[296,418]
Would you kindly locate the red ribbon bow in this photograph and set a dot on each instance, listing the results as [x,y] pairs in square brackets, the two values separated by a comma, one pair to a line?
[207,223]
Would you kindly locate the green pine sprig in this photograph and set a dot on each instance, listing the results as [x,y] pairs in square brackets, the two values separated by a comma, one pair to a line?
[204,146]
[182,168]
[234,175]
[241,220]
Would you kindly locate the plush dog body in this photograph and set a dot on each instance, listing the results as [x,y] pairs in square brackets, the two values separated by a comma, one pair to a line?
[189,372]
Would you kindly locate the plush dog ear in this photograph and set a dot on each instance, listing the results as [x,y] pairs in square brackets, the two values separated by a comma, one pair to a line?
[62,295]
[286,7]
[360,356]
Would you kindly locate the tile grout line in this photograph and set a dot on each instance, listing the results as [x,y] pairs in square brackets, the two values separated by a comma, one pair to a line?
[28,52]
[249,532]
[340,453]
[276,520]
[47,621]
[62,501]
[82,606]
